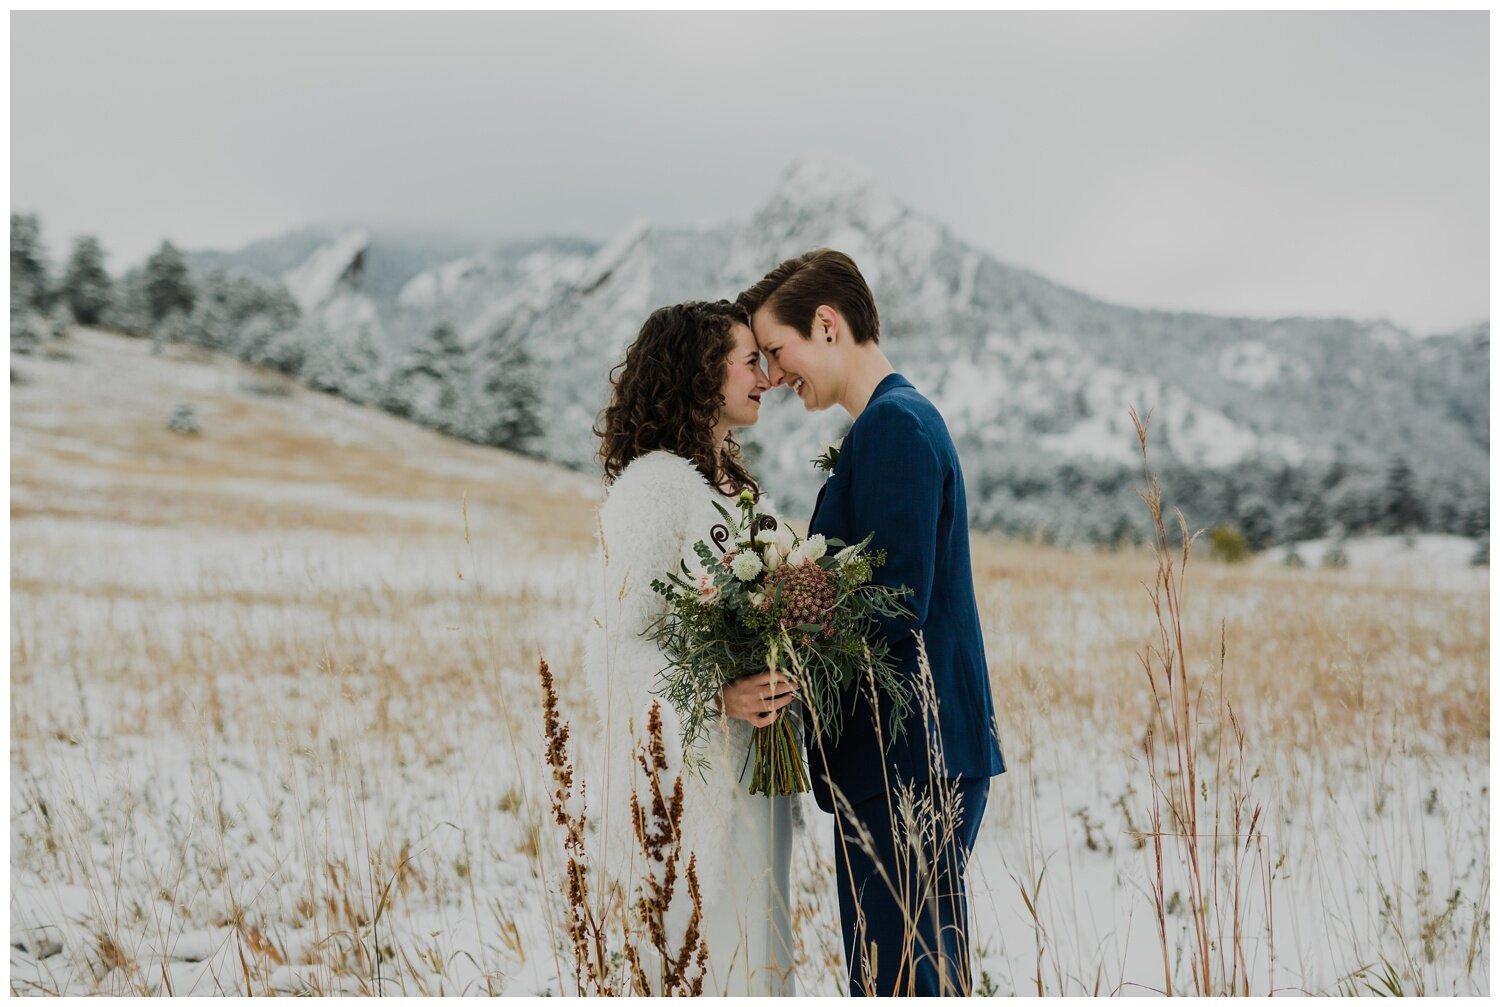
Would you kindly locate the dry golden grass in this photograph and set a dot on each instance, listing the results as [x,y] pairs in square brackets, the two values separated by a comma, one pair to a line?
[1316,657]
[247,666]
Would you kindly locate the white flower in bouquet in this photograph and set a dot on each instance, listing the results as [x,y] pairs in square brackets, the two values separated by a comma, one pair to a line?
[845,554]
[758,599]
[746,566]
[807,551]
[776,543]
[816,547]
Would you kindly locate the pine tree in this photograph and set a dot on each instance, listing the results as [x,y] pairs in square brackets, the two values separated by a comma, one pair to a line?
[1309,520]
[168,285]
[1401,509]
[1355,505]
[428,384]
[86,286]
[28,268]
[211,321]
[130,309]
[262,320]
[1256,521]
[344,363]
[507,403]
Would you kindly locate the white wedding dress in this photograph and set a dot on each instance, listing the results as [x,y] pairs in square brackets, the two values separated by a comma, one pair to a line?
[658,507]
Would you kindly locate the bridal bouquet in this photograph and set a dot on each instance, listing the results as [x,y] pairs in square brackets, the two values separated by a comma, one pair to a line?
[771,600]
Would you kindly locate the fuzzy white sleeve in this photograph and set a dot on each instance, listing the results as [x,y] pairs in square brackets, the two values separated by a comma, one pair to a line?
[648,522]
[642,527]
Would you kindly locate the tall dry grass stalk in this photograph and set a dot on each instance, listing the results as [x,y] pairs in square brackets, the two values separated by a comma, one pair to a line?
[586,935]
[634,936]
[1206,830]
[927,816]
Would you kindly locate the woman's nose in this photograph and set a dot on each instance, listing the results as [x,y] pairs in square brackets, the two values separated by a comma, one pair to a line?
[774,373]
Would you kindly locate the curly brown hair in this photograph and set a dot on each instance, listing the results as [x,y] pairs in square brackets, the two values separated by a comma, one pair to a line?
[667,394]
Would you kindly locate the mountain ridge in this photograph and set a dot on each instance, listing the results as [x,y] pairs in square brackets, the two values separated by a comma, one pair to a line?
[1030,373]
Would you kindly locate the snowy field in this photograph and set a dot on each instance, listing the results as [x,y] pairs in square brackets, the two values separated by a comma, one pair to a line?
[275,722]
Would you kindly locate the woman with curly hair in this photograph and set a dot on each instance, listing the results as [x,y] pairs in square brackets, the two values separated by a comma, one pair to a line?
[691,377]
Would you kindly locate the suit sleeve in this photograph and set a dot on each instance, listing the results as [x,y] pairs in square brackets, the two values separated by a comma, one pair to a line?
[896,491]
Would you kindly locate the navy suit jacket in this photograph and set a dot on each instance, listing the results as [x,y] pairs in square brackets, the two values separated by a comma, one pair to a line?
[898,476]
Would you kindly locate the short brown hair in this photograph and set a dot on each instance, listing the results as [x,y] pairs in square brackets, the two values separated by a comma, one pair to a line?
[794,289]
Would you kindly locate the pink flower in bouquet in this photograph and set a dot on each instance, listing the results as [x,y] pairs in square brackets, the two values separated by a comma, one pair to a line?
[708,591]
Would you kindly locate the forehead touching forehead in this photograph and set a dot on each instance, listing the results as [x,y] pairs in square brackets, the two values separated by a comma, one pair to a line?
[768,328]
[744,337]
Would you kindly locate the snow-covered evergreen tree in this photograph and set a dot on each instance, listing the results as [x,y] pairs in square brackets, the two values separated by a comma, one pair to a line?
[345,364]
[1256,521]
[130,310]
[1401,507]
[28,331]
[86,287]
[29,291]
[506,403]
[428,385]
[169,287]
[1309,520]
[262,321]
[265,343]
[184,420]
[1354,504]
[210,323]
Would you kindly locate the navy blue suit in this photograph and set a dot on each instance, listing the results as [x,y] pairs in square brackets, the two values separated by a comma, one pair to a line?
[898,476]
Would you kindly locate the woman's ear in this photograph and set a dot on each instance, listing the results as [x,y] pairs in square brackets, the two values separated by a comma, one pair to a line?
[825,323]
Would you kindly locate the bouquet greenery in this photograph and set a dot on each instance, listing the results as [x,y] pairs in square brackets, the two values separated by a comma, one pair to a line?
[771,600]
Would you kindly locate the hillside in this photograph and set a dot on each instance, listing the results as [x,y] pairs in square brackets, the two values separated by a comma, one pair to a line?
[275,719]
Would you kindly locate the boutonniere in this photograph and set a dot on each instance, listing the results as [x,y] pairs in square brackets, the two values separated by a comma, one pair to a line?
[829,458]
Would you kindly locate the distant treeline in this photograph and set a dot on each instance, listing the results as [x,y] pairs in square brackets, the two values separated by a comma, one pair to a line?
[1268,501]
[483,392]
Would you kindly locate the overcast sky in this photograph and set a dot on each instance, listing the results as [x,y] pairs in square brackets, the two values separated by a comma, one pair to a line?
[1258,164]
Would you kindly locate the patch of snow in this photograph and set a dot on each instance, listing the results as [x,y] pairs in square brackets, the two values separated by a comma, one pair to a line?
[1251,363]
[823,178]
[1387,335]
[1419,555]
[1194,431]
[427,289]
[320,277]
[609,258]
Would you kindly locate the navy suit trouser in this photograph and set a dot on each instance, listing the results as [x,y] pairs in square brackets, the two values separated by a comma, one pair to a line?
[902,898]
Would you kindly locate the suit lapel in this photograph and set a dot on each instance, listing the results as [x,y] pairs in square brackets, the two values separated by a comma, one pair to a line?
[817,506]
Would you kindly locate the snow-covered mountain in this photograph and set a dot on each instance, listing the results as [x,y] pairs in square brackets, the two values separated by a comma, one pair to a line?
[1029,374]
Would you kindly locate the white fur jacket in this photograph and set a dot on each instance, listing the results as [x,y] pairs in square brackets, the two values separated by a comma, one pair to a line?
[658,507]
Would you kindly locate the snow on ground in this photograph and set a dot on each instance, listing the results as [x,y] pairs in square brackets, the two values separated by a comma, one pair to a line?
[1435,559]
[275,723]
